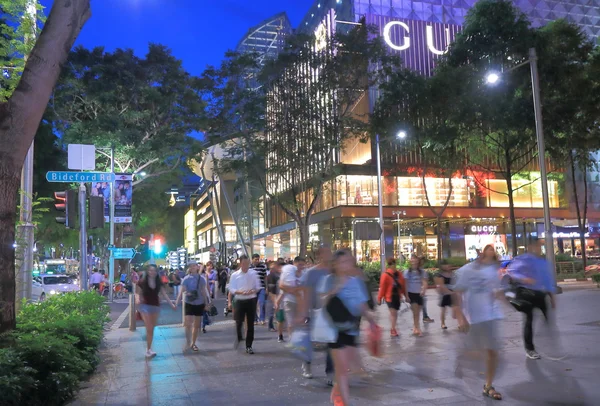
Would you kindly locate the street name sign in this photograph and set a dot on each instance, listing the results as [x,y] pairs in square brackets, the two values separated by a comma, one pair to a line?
[123,253]
[79,177]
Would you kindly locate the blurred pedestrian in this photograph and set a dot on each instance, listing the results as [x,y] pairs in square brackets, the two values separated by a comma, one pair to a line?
[534,281]
[345,300]
[443,281]
[416,285]
[426,318]
[149,288]
[392,288]
[272,299]
[211,275]
[478,287]
[261,271]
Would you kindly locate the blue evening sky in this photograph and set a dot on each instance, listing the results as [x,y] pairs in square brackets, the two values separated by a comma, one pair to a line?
[198,32]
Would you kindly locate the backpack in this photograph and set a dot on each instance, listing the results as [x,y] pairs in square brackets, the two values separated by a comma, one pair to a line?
[395,285]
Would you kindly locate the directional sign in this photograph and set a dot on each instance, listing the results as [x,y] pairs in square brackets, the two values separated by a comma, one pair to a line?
[82,177]
[123,253]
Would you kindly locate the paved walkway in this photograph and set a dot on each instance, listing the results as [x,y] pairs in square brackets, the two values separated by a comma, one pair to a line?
[432,370]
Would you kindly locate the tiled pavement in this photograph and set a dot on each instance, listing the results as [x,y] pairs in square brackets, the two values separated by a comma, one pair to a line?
[432,370]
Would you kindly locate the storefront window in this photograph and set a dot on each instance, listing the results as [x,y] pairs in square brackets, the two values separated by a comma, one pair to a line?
[525,193]
[362,190]
[230,234]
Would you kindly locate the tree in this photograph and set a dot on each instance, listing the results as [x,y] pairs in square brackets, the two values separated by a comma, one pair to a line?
[20,116]
[422,107]
[570,67]
[286,125]
[147,108]
[496,122]
[15,29]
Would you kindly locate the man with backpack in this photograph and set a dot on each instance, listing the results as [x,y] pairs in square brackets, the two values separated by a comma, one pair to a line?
[391,287]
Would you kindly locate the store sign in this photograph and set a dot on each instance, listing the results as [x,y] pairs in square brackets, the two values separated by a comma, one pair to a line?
[484,229]
[419,43]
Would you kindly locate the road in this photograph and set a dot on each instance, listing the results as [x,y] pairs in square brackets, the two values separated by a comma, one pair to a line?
[432,370]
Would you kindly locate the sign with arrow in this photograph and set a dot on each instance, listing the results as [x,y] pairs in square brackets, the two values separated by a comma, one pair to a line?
[123,253]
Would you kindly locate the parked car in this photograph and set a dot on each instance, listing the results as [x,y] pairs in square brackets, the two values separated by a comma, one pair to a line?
[48,285]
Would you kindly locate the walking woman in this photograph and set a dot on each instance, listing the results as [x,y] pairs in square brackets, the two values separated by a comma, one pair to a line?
[345,299]
[391,287]
[148,289]
[416,285]
[195,298]
[443,280]
[211,274]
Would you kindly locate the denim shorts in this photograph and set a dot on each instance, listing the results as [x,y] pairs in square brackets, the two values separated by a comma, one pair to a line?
[149,309]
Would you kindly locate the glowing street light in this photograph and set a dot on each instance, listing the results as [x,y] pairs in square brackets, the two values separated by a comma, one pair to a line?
[401,134]
[492,78]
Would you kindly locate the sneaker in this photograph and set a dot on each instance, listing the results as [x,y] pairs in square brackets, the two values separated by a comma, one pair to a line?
[306,371]
[272,329]
[531,354]
[280,339]
[393,333]
[150,354]
[428,320]
[249,350]
[330,382]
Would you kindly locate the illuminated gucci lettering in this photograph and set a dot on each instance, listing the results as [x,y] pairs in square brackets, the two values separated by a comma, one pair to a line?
[387,29]
[484,229]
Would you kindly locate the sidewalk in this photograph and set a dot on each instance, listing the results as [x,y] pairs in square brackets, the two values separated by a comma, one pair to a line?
[431,370]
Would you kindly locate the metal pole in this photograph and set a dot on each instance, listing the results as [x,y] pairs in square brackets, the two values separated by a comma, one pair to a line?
[539,126]
[152,261]
[111,262]
[24,274]
[380,203]
[83,236]
[397,213]
[132,320]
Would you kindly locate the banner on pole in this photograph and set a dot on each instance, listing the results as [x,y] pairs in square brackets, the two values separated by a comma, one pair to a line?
[122,198]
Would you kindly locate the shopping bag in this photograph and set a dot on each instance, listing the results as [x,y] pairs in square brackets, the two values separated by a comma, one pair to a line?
[323,330]
[300,344]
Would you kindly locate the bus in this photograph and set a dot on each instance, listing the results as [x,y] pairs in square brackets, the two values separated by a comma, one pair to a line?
[61,266]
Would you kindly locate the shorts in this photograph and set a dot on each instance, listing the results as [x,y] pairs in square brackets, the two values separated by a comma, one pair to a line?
[193,310]
[446,301]
[290,311]
[484,335]
[149,309]
[344,340]
[395,303]
[280,316]
[96,286]
[415,298]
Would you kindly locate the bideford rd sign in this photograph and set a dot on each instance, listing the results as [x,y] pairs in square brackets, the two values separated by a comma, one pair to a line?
[79,177]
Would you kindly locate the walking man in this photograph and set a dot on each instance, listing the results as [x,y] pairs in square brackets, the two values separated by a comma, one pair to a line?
[532,275]
[244,285]
[261,272]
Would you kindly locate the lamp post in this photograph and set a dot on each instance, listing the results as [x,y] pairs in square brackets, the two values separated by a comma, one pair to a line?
[493,78]
[400,135]
[398,214]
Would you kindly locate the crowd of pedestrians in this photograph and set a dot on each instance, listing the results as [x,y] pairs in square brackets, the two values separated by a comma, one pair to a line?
[325,304]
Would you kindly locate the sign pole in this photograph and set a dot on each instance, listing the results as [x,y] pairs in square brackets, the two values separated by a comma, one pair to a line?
[111,262]
[83,237]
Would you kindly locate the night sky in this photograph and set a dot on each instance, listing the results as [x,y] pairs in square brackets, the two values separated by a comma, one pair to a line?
[197,31]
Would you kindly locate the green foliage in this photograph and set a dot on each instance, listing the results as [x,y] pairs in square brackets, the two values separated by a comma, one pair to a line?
[564,258]
[596,278]
[52,349]
[576,275]
[15,26]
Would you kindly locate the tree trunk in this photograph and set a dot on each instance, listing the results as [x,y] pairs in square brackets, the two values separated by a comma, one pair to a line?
[438,231]
[511,209]
[303,229]
[19,120]
[581,217]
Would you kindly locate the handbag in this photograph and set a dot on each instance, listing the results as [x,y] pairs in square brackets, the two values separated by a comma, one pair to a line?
[323,330]
[212,310]
[341,317]
[193,295]
[300,344]
[374,341]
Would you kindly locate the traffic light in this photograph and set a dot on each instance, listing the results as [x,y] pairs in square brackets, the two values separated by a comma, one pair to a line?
[96,212]
[157,246]
[67,202]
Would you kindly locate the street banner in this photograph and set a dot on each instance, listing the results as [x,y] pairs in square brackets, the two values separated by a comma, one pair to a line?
[122,198]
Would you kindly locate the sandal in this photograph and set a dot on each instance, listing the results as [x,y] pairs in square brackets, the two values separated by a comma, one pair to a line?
[490,392]
[194,348]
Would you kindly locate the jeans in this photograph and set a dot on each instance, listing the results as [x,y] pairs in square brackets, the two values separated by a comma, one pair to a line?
[245,309]
[537,299]
[261,298]
[223,285]
[176,289]
[205,319]
[329,363]
[425,315]
[270,308]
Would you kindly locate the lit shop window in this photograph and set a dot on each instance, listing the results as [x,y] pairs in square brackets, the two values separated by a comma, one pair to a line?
[230,234]
[526,193]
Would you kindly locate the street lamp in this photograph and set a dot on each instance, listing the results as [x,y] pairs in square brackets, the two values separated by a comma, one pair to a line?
[493,78]
[401,135]
[398,214]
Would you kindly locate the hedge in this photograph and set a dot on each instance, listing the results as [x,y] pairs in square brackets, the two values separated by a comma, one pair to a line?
[53,348]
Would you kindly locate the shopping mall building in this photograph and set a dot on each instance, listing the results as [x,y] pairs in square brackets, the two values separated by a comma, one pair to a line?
[419,32]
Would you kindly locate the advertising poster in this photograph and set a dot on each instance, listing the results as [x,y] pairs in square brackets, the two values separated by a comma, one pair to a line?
[122,198]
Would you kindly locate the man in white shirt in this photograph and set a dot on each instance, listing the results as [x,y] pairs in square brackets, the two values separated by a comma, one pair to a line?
[244,285]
